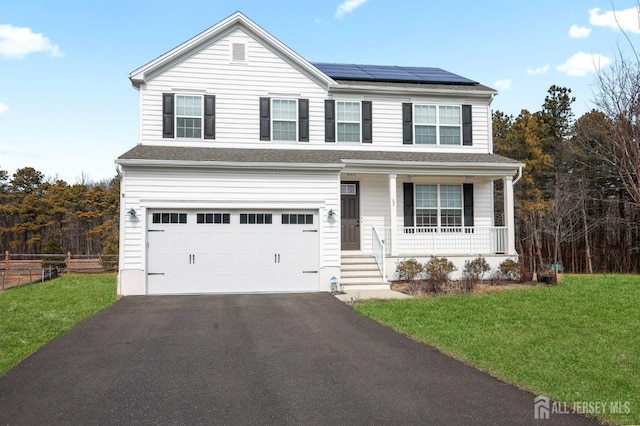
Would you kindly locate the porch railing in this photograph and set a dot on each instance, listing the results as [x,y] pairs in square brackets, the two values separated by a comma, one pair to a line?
[378,250]
[417,240]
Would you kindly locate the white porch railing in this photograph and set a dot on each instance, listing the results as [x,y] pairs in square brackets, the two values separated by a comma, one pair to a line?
[378,250]
[418,240]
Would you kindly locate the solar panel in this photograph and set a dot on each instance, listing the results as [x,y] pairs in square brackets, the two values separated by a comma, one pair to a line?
[390,73]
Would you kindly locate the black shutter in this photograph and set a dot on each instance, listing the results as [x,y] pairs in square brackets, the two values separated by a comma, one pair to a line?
[265,119]
[467,138]
[303,120]
[367,122]
[407,123]
[167,115]
[329,120]
[209,117]
[408,203]
[467,196]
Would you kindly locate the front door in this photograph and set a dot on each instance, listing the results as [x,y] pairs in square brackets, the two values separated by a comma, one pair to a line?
[349,216]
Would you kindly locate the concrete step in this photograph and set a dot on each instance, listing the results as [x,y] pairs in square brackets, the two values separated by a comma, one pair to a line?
[380,286]
[358,260]
[361,280]
[360,272]
[355,273]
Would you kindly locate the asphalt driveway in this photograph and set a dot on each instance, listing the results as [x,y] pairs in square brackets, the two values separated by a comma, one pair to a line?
[251,359]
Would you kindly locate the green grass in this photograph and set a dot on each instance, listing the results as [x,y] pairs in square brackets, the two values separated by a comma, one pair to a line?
[35,314]
[577,341]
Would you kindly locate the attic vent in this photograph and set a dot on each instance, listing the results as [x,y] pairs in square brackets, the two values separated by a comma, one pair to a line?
[238,53]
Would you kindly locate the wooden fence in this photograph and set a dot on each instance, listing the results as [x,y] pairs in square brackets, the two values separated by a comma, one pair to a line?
[18,269]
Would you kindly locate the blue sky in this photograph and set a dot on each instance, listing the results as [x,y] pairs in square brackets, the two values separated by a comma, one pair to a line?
[68,109]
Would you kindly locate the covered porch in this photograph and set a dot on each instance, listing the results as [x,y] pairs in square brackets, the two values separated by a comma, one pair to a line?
[428,210]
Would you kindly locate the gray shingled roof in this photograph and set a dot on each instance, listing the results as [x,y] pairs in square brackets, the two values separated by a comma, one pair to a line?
[309,155]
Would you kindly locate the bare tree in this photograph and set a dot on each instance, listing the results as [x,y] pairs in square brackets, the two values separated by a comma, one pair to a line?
[617,95]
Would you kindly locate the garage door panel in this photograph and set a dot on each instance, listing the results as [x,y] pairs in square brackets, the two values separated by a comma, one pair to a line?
[242,252]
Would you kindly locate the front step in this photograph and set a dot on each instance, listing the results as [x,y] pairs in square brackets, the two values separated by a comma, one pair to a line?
[360,272]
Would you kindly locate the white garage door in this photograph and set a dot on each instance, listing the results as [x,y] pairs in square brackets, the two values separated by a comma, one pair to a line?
[191,252]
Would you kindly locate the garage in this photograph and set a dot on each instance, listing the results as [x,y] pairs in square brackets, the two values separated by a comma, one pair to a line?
[248,251]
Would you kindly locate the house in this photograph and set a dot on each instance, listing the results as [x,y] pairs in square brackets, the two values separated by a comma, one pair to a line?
[259,171]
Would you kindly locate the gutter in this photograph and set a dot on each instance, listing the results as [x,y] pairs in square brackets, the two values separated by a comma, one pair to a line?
[228,164]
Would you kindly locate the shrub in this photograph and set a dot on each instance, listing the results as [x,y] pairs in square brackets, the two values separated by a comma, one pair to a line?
[437,271]
[476,268]
[510,270]
[409,269]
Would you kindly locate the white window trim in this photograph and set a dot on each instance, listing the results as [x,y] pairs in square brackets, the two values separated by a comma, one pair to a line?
[297,125]
[437,123]
[359,102]
[175,116]
[438,207]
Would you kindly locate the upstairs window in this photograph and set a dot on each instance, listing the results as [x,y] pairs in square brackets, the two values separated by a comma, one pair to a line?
[440,124]
[284,119]
[424,124]
[189,116]
[348,121]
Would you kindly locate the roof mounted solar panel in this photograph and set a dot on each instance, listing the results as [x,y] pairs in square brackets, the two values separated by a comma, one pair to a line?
[388,73]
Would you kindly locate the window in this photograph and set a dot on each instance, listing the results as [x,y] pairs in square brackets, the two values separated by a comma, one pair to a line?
[189,116]
[256,218]
[348,189]
[348,121]
[437,124]
[284,119]
[180,218]
[214,218]
[439,205]
[297,219]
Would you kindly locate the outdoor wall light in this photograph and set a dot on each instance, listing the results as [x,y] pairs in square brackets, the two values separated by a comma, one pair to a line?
[331,214]
[132,213]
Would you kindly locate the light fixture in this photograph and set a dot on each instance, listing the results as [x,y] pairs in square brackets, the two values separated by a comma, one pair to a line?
[331,214]
[132,213]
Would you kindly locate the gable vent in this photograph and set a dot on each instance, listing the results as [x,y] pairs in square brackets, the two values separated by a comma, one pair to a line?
[238,53]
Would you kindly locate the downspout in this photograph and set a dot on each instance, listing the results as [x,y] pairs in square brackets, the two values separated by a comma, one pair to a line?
[519,176]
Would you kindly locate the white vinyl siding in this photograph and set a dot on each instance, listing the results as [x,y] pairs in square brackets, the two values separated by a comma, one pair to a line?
[237,87]
[221,189]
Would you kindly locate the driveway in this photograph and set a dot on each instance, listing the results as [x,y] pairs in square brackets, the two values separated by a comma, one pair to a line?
[251,359]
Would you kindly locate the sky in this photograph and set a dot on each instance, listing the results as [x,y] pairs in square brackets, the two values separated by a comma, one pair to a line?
[68,109]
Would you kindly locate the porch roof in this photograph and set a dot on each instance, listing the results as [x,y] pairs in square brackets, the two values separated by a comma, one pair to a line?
[310,158]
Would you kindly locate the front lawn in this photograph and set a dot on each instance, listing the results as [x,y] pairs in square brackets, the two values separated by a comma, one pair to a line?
[575,342]
[33,315]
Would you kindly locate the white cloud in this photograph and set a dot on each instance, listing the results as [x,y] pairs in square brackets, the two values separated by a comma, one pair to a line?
[627,19]
[347,7]
[538,71]
[3,107]
[17,42]
[503,84]
[582,64]
[579,32]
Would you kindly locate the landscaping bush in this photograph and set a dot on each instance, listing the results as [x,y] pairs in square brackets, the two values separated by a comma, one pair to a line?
[437,271]
[409,269]
[476,268]
[510,270]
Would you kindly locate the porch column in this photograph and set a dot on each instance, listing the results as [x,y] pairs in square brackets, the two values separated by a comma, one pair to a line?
[509,220]
[393,214]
